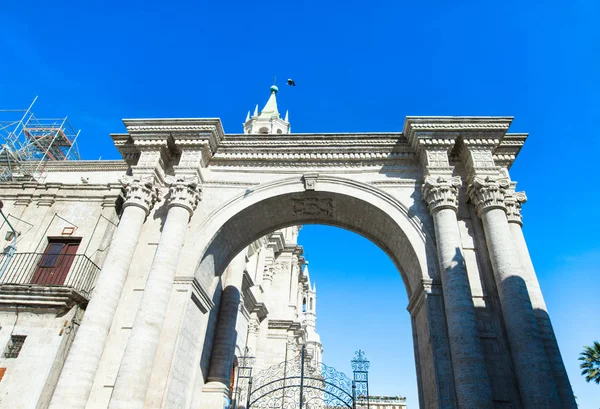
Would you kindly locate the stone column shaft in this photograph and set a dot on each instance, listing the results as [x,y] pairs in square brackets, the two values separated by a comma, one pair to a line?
[77,376]
[223,351]
[468,360]
[136,367]
[534,376]
[565,391]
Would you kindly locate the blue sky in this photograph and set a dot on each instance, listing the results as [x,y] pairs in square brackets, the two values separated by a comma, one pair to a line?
[359,67]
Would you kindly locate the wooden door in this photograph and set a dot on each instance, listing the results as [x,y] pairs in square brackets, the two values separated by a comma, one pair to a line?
[56,261]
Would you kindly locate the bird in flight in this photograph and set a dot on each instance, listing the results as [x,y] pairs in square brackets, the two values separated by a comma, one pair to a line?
[291,82]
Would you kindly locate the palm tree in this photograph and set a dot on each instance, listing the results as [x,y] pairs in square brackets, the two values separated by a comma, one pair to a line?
[590,362]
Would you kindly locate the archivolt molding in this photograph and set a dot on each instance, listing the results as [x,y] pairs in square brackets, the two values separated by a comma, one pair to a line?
[215,220]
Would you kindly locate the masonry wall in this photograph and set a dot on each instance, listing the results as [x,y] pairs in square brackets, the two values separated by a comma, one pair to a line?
[66,207]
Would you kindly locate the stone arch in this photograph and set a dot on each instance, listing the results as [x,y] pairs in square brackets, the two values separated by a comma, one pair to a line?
[355,206]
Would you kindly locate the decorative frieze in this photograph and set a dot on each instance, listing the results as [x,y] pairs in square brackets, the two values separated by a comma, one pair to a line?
[312,206]
[513,203]
[488,193]
[184,191]
[139,191]
[441,192]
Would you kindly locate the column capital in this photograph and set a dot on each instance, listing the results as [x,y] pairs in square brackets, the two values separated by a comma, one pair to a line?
[488,193]
[253,325]
[140,192]
[184,191]
[513,203]
[441,192]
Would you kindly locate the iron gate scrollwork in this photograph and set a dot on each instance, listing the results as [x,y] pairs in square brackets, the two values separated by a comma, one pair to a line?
[299,383]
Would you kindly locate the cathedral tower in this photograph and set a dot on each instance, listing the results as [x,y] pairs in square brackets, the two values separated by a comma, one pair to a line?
[269,120]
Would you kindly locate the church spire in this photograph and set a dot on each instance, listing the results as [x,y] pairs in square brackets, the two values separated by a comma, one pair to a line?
[268,121]
[270,110]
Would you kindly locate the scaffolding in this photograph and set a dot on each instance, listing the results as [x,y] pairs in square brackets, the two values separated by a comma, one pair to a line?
[28,143]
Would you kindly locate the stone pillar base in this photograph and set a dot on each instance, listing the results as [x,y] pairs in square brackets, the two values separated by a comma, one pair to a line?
[215,395]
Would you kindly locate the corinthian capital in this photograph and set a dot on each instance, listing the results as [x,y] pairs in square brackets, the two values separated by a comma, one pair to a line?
[488,193]
[513,204]
[442,192]
[184,191]
[140,192]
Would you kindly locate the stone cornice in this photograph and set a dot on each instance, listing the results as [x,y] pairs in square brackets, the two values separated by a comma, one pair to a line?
[85,166]
[455,123]
[287,325]
[183,130]
[508,149]
[61,191]
[205,137]
[40,298]
[299,150]
[477,132]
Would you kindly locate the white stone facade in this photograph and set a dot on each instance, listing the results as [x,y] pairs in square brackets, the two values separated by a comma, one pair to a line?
[191,274]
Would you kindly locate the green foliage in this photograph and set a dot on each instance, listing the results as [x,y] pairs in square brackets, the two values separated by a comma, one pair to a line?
[590,362]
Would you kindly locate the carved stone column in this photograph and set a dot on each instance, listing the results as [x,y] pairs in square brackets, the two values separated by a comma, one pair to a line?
[534,376]
[75,382]
[468,361]
[223,351]
[136,367]
[513,204]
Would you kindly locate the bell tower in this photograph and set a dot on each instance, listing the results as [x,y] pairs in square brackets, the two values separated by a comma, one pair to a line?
[269,120]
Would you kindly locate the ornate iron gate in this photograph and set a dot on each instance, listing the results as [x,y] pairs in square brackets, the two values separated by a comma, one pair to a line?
[302,383]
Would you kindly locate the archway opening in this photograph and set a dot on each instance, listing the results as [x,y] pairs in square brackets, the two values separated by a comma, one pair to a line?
[361,304]
[384,222]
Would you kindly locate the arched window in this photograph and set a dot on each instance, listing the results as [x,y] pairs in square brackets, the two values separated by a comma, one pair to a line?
[279,131]
[311,304]
[263,130]
[304,305]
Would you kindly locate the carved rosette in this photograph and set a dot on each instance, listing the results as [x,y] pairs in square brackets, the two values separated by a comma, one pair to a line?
[184,192]
[513,203]
[140,192]
[441,193]
[488,193]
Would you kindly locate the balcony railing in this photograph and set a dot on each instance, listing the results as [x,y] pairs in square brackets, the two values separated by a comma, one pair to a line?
[74,271]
